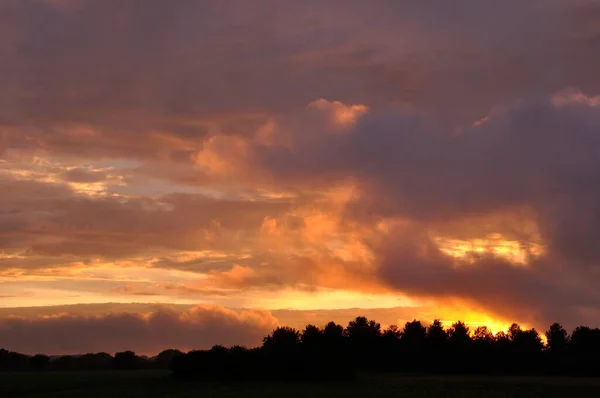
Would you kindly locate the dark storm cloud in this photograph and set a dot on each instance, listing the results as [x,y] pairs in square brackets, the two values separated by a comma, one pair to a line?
[541,155]
[532,153]
[544,291]
[126,68]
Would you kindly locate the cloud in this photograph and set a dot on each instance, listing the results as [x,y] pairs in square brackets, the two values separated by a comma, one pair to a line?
[48,219]
[82,175]
[195,328]
[451,310]
[174,72]
[543,291]
[536,160]
[410,147]
[523,174]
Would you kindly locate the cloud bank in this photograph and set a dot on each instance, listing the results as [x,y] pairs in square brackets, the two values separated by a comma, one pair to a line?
[196,328]
[296,154]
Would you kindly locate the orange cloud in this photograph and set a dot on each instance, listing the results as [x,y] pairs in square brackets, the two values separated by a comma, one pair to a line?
[342,114]
[235,180]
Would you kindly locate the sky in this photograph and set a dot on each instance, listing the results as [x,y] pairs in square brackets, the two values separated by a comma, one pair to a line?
[189,173]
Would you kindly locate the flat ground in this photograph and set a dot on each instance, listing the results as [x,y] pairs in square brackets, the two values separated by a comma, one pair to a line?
[157,384]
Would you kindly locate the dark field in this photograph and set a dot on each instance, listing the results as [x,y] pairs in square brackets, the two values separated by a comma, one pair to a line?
[157,384]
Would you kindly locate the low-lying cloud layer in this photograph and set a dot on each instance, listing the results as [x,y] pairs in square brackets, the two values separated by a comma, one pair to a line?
[151,328]
[150,333]
[302,154]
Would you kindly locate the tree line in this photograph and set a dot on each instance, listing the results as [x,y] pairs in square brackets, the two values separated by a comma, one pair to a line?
[337,352]
[126,360]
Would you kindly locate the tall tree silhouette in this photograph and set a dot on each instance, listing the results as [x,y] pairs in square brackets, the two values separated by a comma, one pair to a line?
[312,338]
[361,329]
[459,342]
[282,339]
[482,352]
[458,335]
[437,345]
[414,333]
[363,336]
[585,347]
[413,339]
[483,335]
[558,358]
[436,335]
[333,333]
[334,339]
[390,347]
[558,339]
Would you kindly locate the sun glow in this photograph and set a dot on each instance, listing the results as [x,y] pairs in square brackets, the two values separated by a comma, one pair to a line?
[513,251]
[473,317]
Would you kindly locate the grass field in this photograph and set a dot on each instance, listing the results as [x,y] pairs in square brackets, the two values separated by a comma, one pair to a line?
[157,384]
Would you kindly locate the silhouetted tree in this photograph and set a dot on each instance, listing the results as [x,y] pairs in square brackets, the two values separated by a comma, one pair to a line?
[282,350]
[482,352]
[97,361]
[558,339]
[413,346]
[312,338]
[585,349]
[502,339]
[390,348]
[458,335]
[483,335]
[363,335]
[586,340]
[333,335]
[240,361]
[334,341]
[414,333]
[392,333]
[13,361]
[361,329]
[126,360]
[334,353]
[283,340]
[513,331]
[526,345]
[528,342]
[436,335]
[39,362]
[437,340]
[164,358]
[65,363]
[459,343]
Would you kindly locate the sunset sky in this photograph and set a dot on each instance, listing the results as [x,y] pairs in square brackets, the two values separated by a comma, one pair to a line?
[248,164]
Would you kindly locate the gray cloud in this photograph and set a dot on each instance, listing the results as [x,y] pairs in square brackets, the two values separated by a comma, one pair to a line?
[539,158]
[182,67]
[545,291]
[195,328]
[153,82]
[82,175]
[51,221]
